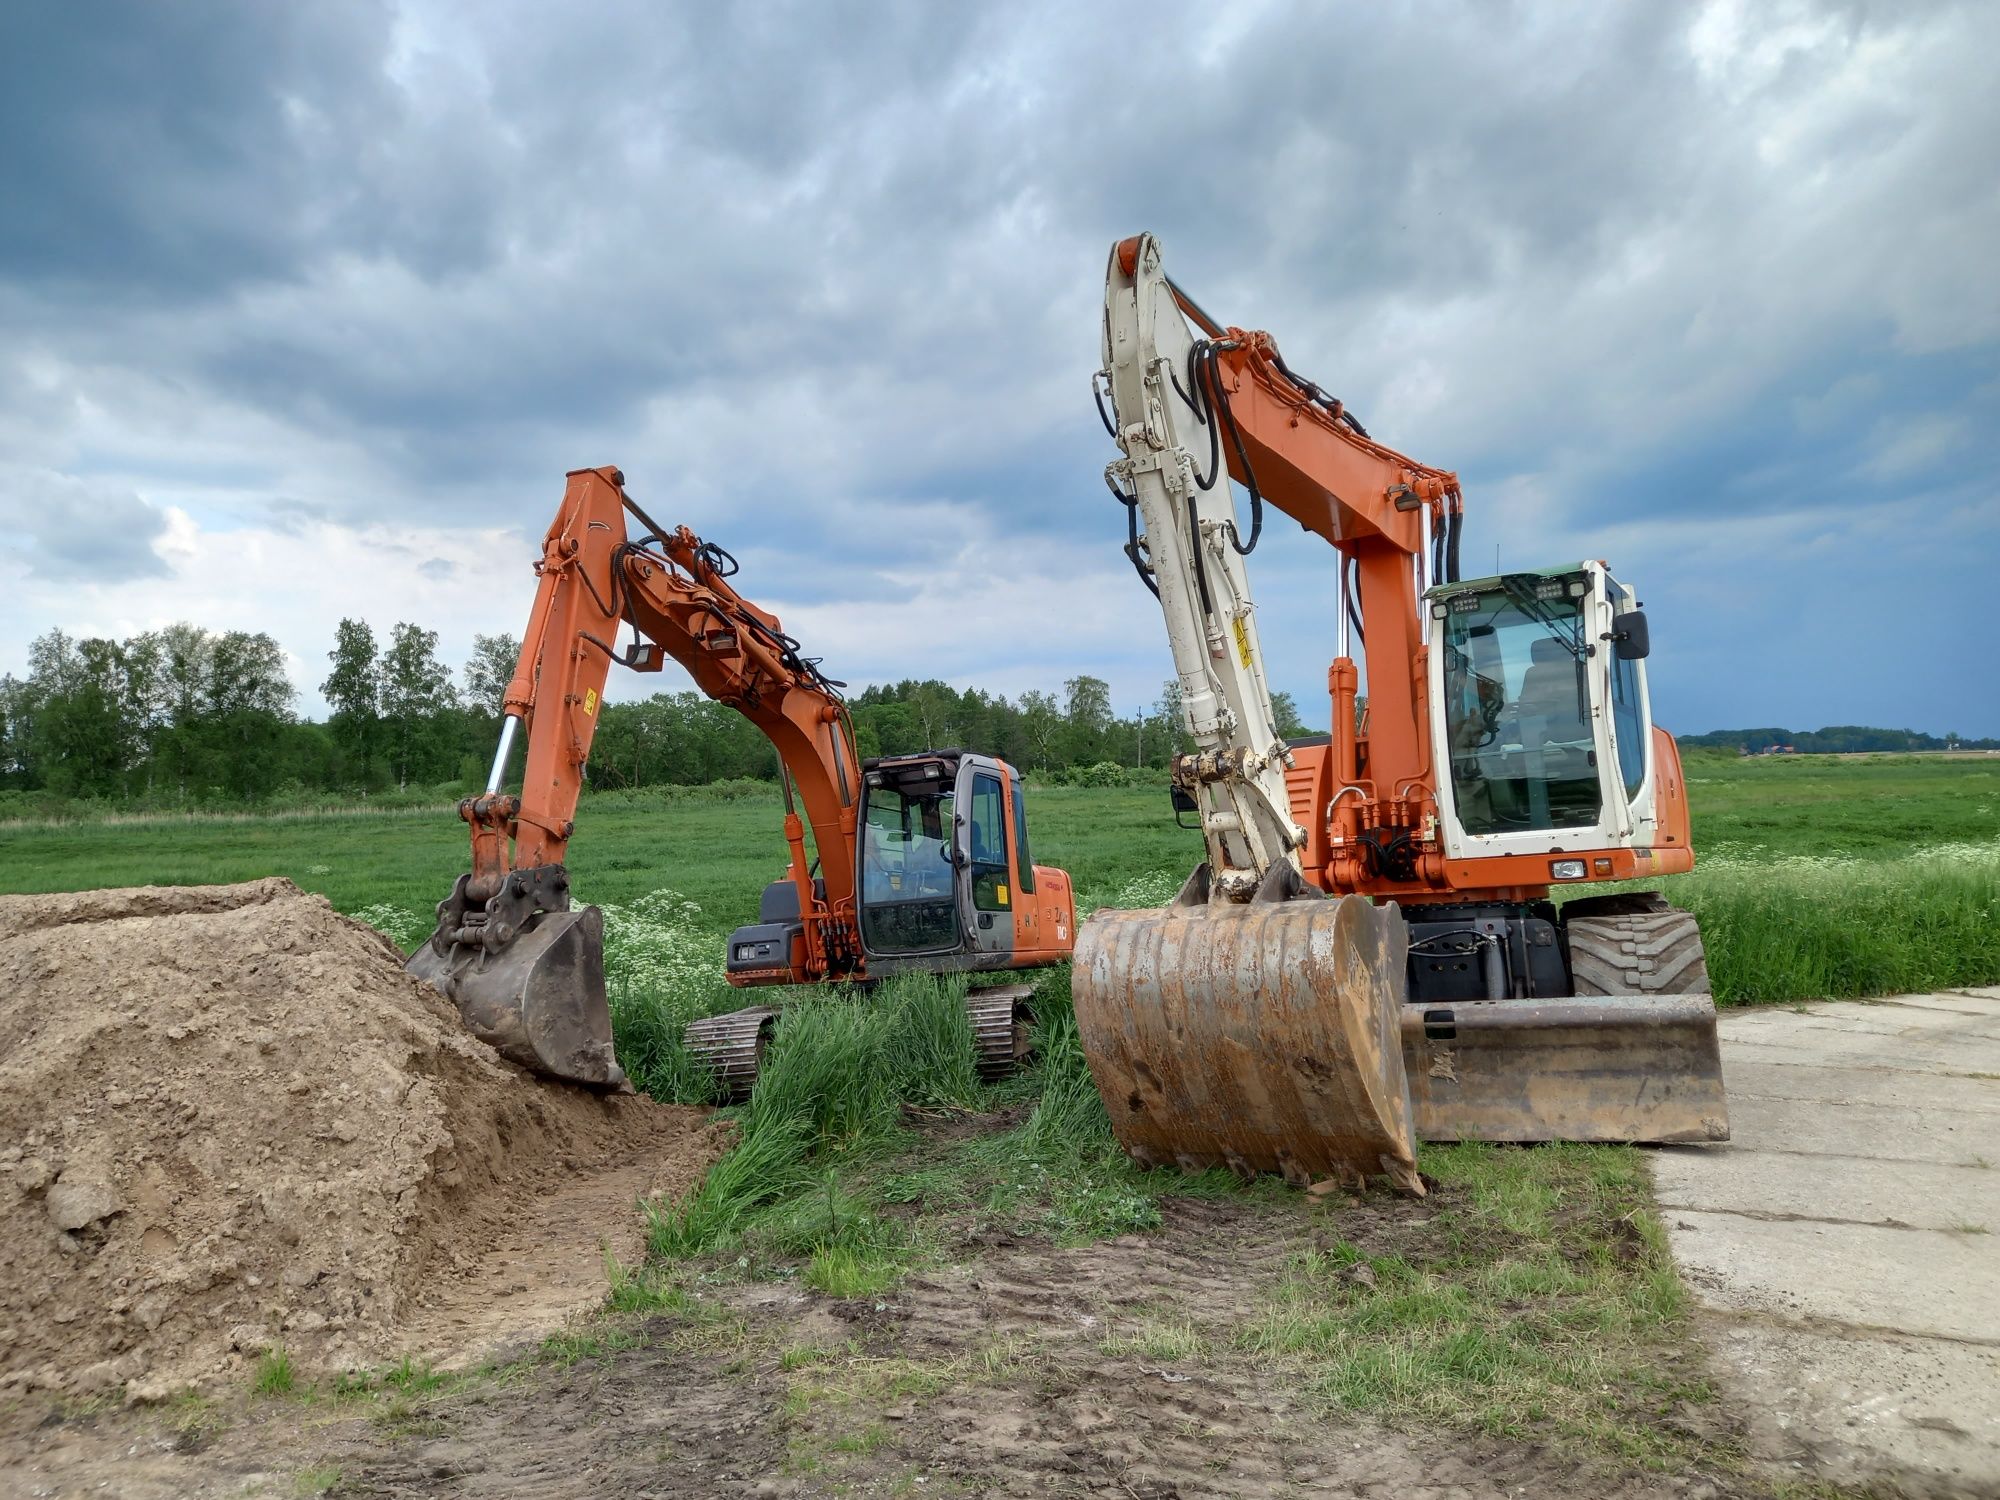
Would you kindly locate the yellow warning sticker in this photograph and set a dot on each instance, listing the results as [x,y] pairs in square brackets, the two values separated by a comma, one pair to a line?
[1000,893]
[590,700]
[1242,641]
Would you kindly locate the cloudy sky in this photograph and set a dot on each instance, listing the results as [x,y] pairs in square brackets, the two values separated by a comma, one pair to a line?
[305,309]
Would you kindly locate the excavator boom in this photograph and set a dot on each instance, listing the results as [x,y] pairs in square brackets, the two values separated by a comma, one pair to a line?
[526,969]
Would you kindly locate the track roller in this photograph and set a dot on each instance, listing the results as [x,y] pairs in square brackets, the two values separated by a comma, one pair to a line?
[1001,1015]
[732,1046]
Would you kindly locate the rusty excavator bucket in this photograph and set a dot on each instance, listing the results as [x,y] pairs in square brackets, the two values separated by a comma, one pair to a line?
[527,975]
[1273,1036]
[1261,1036]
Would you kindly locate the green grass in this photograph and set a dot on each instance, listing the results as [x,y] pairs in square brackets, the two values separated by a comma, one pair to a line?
[1539,1301]
[1839,927]
[275,1375]
[718,853]
[1161,1340]
[1818,876]
[849,1172]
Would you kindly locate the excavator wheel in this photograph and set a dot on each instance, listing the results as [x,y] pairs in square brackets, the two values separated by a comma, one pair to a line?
[1650,950]
[1260,1036]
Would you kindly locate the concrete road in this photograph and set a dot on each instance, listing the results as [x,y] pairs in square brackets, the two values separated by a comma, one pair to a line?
[1845,1244]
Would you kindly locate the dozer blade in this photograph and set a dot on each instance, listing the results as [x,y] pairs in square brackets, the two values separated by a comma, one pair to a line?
[539,1001]
[1611,1068]
[1259,1036]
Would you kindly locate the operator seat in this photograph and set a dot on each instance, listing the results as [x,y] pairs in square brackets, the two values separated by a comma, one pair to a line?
[1549,696]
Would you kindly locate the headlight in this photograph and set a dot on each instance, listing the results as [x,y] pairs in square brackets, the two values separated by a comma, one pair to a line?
[1566,869]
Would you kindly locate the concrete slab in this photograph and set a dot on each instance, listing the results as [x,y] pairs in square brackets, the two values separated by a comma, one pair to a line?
[1889,1132]
[1954,1002]
[1908,1280]
[1774,1185]
[1904,1019]
[1847,1407]
[1853,1308]
[1775,1077]
[1857,1047]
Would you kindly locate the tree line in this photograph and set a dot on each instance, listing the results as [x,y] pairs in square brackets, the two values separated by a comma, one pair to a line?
[188,717]
[185,717]
[1835,739]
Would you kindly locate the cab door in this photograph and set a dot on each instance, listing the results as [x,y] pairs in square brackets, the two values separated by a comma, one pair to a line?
[986,893]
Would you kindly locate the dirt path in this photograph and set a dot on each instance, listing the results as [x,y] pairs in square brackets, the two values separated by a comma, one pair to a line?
[1025,1371]
[550,1265]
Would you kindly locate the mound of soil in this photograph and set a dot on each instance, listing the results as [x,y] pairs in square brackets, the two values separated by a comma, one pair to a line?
[229,1120]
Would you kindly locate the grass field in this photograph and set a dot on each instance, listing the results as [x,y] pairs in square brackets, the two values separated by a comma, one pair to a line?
[1818,876]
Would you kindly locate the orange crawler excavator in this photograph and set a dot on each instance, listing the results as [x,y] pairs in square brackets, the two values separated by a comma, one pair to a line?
[922,859]
[1368,953]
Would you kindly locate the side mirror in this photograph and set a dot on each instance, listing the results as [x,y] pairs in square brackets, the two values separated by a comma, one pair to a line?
[1184,803]
[1629,640]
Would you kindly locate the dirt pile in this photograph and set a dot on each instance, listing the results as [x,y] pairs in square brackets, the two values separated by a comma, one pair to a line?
[229,1120]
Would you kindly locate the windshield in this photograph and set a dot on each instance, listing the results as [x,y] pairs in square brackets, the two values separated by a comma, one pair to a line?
[907,903]
[1517,708]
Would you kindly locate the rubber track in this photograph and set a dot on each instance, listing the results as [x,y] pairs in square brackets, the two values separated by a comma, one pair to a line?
[1638,953]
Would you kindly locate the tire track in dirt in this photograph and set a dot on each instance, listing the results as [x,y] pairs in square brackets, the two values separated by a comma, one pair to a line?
[1016,1396]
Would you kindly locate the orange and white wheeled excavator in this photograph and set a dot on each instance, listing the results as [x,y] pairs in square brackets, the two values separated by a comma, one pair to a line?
[1508,752]
[919,862]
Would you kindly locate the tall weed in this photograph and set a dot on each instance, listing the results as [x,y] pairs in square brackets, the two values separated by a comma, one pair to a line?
[1803,927]
[831,1089]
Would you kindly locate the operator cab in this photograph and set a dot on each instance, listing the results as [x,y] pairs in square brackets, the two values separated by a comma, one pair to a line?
[1538,695]
[944,876]
[936,876]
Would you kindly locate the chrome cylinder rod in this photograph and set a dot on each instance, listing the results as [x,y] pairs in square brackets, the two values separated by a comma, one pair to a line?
[497,777]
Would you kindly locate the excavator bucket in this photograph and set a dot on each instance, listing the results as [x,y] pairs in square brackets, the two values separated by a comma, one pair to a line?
[1261,1036]
[1603,1068]
[537,999]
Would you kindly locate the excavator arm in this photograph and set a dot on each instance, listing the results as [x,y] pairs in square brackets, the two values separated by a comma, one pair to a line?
[526,969]
[1189,405]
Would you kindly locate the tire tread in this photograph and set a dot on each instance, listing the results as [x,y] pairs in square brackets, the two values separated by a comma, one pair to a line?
[1637,953]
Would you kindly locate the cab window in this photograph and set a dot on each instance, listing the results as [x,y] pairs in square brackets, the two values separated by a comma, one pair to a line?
[1628,721]
[988,832]
[1024,862]
[907,905]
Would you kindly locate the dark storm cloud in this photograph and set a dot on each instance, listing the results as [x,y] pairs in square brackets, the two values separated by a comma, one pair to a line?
[824,278]
[160,152]
[78,531]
